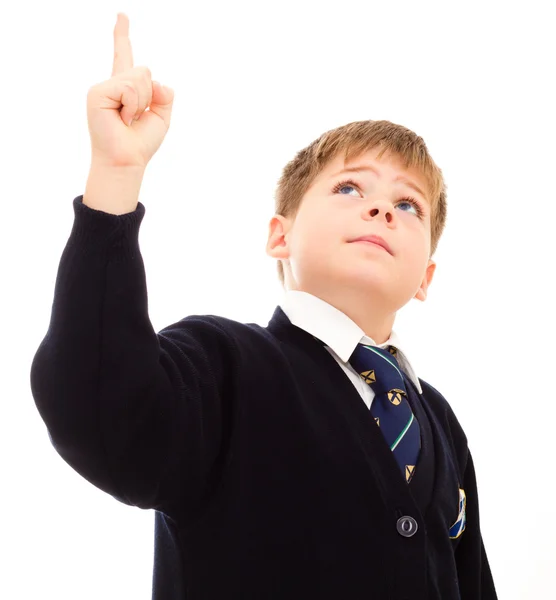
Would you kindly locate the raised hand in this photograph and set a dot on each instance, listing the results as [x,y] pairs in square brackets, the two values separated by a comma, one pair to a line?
[116,140]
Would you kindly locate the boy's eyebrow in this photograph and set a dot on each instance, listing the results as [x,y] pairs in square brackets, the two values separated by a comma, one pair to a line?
[358,168]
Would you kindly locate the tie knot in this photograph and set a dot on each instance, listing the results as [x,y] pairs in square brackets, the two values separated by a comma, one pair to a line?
[378,367]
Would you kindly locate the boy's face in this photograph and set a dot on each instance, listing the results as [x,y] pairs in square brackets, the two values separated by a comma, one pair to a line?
[318,248]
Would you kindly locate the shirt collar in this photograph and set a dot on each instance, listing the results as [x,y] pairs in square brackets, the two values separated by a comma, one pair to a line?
[336,329]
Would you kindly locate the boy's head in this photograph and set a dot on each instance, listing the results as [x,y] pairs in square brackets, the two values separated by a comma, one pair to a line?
[316,218]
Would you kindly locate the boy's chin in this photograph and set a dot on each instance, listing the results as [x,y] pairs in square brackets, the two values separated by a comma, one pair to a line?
[375,282]
[369,275]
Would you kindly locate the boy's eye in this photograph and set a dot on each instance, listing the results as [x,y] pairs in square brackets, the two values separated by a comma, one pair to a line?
[406,200]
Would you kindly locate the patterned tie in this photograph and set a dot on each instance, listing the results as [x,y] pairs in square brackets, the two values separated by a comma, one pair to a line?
[380,369]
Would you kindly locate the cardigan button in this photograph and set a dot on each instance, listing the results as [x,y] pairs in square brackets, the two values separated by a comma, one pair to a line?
[407,526]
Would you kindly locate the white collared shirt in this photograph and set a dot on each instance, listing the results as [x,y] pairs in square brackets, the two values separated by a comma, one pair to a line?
[340,334]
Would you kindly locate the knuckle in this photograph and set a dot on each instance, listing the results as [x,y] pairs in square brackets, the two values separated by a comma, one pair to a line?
[95,87]
[128,84]
[144,71]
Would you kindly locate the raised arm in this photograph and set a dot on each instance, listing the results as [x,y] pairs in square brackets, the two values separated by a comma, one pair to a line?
[140,415]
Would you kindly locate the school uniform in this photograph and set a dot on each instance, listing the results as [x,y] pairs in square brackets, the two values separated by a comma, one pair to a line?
[255,446]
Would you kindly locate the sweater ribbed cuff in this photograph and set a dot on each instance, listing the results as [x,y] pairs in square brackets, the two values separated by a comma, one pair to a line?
[97,231]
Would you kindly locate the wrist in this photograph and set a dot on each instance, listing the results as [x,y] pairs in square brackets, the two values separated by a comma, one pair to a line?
[113,190]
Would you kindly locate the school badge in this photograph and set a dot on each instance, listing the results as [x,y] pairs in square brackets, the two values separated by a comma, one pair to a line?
[459,526]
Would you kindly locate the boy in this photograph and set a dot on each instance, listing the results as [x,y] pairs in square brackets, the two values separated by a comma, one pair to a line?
[304,459]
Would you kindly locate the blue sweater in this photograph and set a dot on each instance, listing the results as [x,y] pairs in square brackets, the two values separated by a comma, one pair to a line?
[268,477]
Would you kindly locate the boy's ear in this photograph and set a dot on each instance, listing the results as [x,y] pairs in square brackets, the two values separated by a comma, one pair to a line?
[422,291]
[276,246]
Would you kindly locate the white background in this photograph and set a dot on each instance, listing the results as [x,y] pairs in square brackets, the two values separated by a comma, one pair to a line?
[254,83]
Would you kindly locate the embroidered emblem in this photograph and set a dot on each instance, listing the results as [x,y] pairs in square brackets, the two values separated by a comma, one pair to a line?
[459,526]
[409,471]
[368,376]
[395,396]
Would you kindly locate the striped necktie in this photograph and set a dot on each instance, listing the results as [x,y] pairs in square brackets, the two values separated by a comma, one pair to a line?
[380,369]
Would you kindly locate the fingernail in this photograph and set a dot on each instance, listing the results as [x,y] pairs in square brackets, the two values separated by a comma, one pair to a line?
[131,121]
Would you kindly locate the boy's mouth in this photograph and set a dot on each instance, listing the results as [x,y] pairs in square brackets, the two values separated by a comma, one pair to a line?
[374,239]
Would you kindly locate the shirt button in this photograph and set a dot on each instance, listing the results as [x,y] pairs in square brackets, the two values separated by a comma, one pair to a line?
[407,526]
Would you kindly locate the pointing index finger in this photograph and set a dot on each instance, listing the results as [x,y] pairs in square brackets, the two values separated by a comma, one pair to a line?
[123,57]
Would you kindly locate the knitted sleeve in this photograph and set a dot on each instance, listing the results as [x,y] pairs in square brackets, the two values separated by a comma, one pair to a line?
[142,415]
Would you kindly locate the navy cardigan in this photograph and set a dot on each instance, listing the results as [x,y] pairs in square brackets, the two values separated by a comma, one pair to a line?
[267,475]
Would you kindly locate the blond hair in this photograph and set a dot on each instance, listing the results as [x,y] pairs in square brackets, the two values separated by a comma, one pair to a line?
[353,140]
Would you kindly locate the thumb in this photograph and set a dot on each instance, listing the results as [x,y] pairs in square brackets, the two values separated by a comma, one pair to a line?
[162,102]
